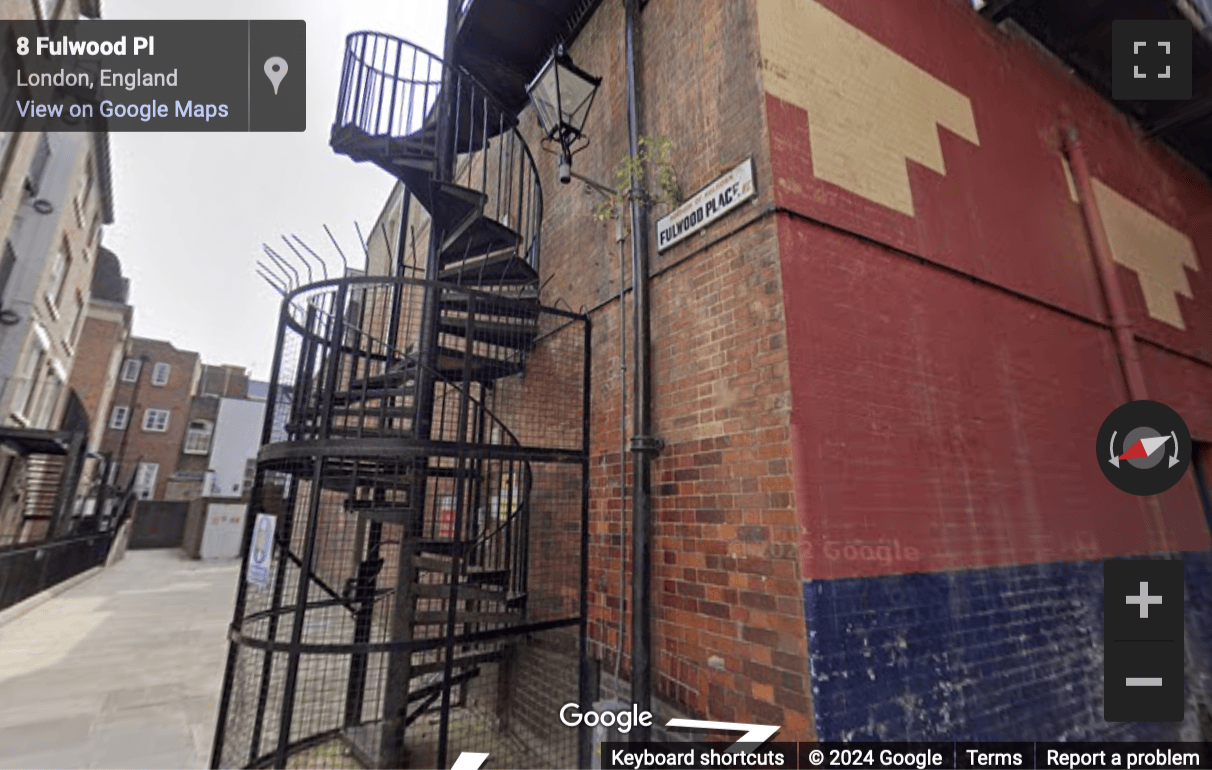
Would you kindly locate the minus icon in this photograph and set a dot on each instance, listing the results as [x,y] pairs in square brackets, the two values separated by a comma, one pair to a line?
[1144,681]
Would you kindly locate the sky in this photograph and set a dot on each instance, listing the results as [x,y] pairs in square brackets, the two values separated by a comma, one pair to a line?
[192,210]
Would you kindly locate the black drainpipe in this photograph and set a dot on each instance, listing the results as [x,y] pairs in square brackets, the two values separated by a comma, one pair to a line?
[643,445]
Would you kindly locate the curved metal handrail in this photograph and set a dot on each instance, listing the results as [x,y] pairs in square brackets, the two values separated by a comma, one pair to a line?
[319,299]
[389,91]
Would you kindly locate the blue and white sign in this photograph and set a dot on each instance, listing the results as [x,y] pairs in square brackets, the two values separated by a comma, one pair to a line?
[261,550]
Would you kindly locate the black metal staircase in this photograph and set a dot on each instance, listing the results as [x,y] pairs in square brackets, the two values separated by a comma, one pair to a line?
[403,486]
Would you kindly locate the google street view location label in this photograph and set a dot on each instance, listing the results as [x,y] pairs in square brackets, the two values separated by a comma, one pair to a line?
[155,76]
[1143,448]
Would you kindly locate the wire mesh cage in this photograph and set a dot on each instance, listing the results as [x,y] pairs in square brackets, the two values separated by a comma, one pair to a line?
[425,465]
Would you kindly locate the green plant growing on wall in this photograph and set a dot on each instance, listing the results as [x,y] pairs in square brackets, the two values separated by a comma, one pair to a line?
[653,155]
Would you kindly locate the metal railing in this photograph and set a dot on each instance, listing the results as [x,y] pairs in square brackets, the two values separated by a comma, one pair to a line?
[383,607]
[26,570]
[387,110]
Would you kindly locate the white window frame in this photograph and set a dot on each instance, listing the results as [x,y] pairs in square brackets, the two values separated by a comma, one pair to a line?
[250,475]
[152,422]
[48,400]
[26,397]
[86,188]
[197,439]
[73,336]
[160,374]
[145,479]
[127,370]
[63,265]
[119,417]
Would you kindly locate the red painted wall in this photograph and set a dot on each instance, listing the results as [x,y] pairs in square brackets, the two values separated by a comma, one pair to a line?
[943,422]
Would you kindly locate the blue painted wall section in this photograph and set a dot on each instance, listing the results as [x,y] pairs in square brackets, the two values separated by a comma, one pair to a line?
[1011,653]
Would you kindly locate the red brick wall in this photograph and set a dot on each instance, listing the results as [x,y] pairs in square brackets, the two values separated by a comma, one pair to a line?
[951,367]
[163,448]
[729,636]
[95,349]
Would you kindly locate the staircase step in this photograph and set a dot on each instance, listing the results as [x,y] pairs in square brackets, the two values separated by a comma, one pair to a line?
[501,333]
[474,575]
[507,307]
[465,592]
[349,431]
[428,690]
[347,412]
[481,236]
[450,365]
[441,617]
[386,515]
[346,397]
[460,661]
[373,412]
[444,546]
[416,148]
[401,381]
[358,505]
[455,209]
[497,269]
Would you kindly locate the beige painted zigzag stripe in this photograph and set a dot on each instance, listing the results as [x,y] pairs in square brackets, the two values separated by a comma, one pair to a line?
[869,109]
[1157,252]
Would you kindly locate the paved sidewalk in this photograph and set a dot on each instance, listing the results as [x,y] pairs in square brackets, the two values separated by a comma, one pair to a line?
[120,671]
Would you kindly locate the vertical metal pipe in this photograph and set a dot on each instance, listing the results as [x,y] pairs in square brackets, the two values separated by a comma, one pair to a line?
[643,445]
[1125,338]
[584,742]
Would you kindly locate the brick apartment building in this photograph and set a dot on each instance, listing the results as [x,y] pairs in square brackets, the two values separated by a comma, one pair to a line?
[165,416]
[151,412]
[102,348]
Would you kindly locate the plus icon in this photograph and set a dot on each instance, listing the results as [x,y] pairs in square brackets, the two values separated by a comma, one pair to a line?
[1144,600]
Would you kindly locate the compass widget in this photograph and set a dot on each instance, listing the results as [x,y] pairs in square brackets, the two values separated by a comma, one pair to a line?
[1144,448]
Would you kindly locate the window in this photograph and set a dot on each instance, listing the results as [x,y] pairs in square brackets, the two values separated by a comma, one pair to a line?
[95,228]
[87,184]
[250,474]
[160,374]
[130,369]
[155,420]
[37,166]
[119,417]
[24,402]
[74,337]
[54,293]
[49,398]
[145,479]
[6,267]
[197,437]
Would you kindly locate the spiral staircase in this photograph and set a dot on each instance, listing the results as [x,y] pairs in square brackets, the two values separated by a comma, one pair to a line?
[387,411]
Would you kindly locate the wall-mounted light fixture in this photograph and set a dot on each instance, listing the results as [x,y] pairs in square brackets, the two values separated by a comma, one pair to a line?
[562,94]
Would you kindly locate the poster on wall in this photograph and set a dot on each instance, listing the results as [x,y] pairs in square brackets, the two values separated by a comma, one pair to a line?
[261,550]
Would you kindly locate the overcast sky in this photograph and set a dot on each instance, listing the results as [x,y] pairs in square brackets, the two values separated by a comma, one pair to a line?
[191,210]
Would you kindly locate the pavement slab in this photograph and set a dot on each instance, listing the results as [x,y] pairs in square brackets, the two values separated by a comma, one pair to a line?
[122,670]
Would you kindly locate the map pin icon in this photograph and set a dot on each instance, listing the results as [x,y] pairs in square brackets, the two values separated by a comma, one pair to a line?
[275,70]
